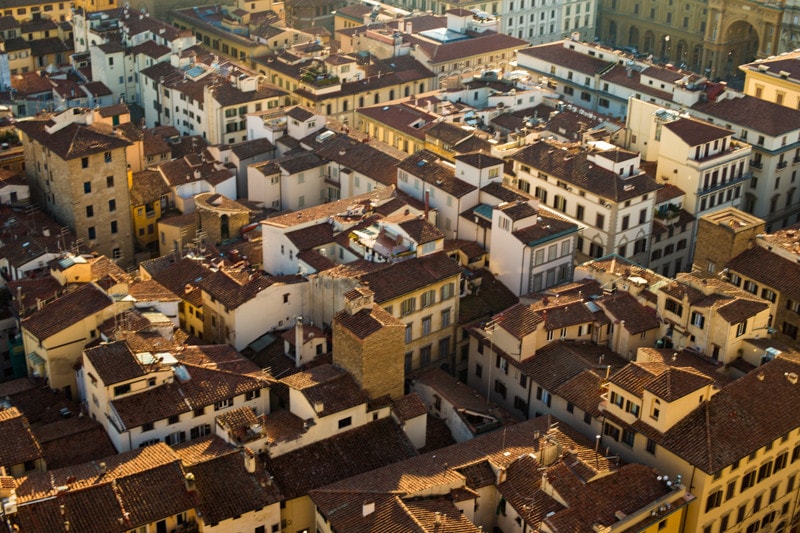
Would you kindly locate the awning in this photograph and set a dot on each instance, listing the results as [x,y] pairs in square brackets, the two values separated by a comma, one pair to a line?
[36,359]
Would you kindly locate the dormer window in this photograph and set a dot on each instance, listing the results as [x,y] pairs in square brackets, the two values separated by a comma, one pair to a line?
[655,410]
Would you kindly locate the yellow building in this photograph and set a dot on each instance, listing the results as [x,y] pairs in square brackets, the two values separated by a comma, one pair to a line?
[149,196]
[776,79]
[54,336]
[110,496]
[429,309]
[741,462]
[181,277]
[340,84]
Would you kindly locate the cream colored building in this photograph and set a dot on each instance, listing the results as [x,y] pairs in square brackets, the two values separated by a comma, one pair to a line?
[775,79]
[55,335]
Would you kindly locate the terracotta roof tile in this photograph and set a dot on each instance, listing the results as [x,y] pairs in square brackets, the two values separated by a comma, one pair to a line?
[432,169]
[72,141]
[741,309]
[574,167]
[226,489]
[558,362]
[624,307]
[217,373]
[583,390]
[363,158]
[18,444]
[73,441]
[407,276]
[328,387]
[114,362]
[696,132]
[147,186]
[769,269]
[67,310]
[408,407]
[558,54]
[367,321]
[751,112]
[353,452]
[733,422]
[520,320]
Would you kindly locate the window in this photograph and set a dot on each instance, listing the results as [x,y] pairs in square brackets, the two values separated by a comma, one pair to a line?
[426,325]
[425,355]
[408,306]
[87,187]
[600,221]
[748,480]
[764,471]
[626,220]
[345,422]
[428,298]
[112,206]
[252,394]
[113,226]
[84,162]
[446,318]
[447,291]
[89,211]
[632,408]
[628,437]
[611,430]
[651,446]
[200,431]
[713,500]
[741,328]
[698,320]
[173,419]
[409,335]
[543,396]
[222,404]
[749,286]
[92,233]
[673,307]
[107,157]
[730,491]
[500,388]
[780,461]
[109,181]
[478,370]
[520,404]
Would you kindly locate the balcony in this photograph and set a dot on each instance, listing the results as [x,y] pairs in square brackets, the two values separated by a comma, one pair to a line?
[745,176]
[782,164]
[756,164]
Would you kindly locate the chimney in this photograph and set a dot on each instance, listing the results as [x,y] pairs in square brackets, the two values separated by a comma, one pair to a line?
[191,486]
[298,342]
[19,301]
[368,508]
[249,460]
[427,202]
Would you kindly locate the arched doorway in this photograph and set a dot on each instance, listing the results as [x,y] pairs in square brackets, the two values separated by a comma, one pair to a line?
[649,41]
[224,227]
[682,54]
[633,37]
[697,54]
[742,46]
